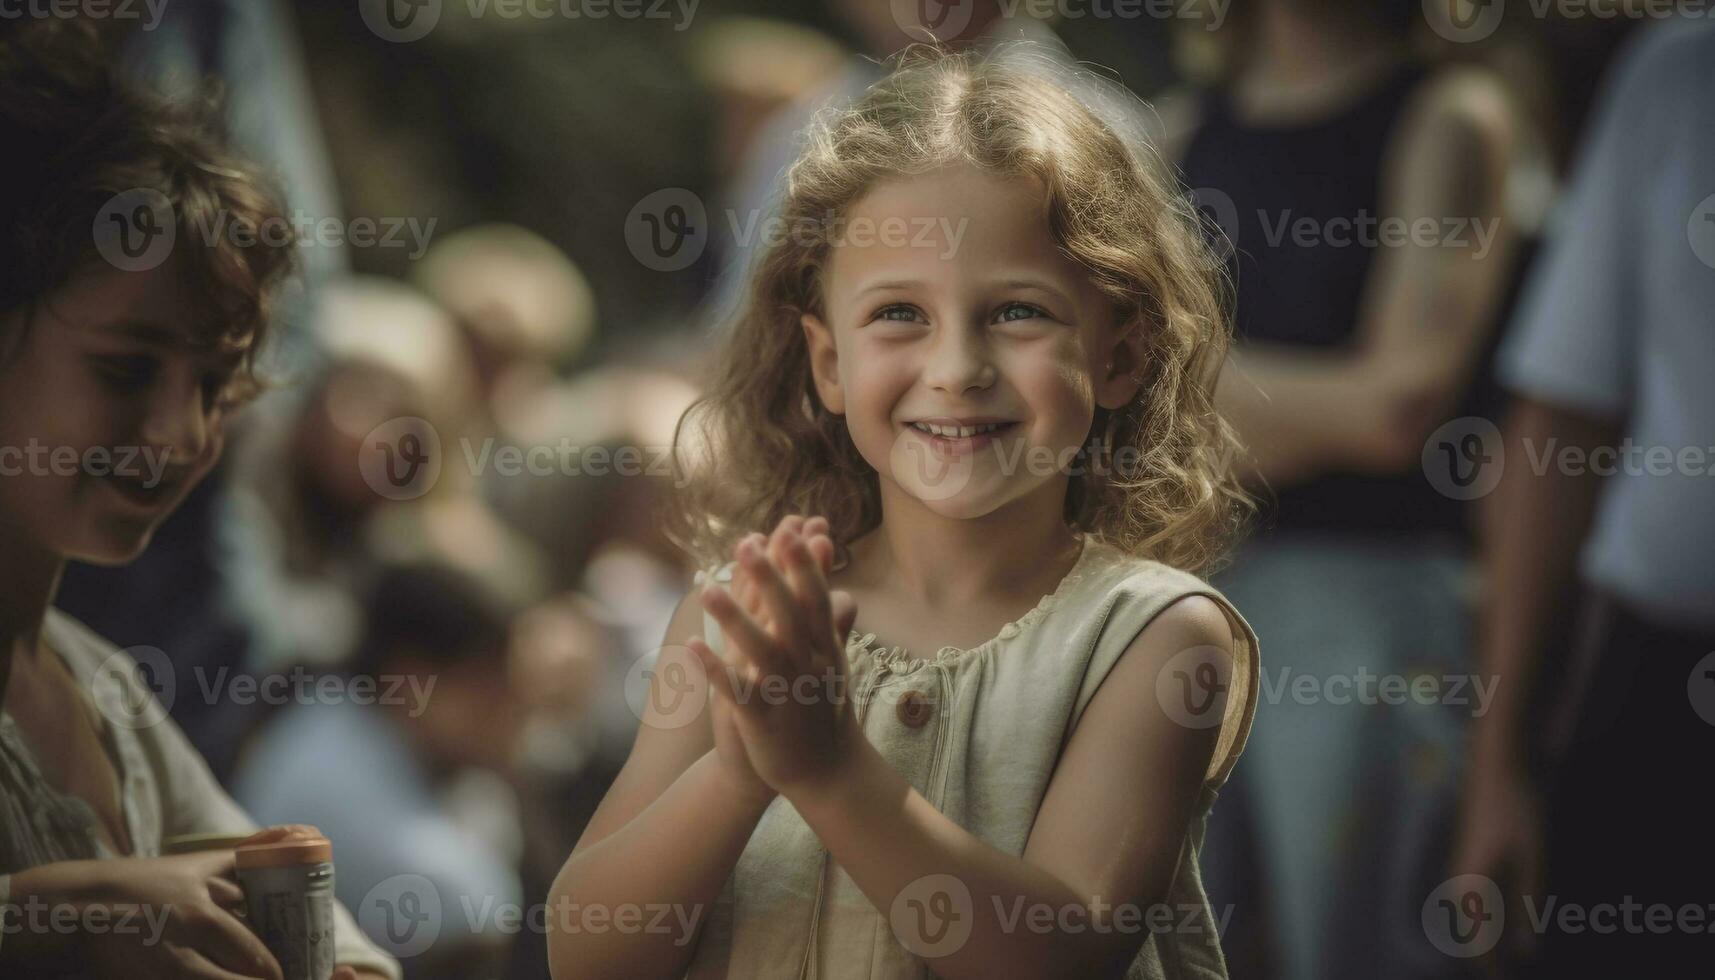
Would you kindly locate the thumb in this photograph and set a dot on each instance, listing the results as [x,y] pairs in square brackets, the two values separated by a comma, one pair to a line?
[844,610]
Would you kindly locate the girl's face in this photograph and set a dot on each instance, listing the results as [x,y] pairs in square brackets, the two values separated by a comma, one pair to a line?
[966,351]
[108,416]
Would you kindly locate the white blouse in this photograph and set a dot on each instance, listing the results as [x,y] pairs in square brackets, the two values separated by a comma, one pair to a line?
[166,789]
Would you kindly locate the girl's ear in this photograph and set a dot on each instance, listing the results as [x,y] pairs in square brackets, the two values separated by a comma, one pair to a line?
[1123,368]
[824,363]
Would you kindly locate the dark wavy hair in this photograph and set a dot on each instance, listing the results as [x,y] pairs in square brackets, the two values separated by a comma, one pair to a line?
[76,134]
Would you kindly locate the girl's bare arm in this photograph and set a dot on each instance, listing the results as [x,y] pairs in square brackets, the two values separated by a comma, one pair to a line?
[663,841]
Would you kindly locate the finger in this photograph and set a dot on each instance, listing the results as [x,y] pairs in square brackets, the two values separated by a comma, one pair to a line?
[811,590]
[810,563]
[343,973]
[796,574]
[822,547]
[196,966]
[775,547]
[749,599]
[782,606]
[722,676]
[222,863]
[844,611]
[280,832]
[747,637]
[229,943]
[225,893]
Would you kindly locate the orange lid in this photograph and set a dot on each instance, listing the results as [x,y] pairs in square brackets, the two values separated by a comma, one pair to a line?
[281,847]
[284,854]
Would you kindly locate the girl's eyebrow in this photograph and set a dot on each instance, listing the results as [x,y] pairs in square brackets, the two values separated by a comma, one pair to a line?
[1037,284]
[154,334]
[887,284]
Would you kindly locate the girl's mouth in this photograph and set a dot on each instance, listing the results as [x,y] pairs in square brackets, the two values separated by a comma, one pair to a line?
[138,492]
[954,437]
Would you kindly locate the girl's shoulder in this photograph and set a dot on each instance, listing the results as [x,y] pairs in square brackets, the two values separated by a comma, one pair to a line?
[1107,572]
[83,649]
[1202,686]
[131,687]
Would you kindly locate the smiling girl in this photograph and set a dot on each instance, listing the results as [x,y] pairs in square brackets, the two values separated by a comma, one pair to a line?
[997,458]
[109,357]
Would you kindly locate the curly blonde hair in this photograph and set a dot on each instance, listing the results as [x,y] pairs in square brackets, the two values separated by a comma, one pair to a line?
[760,444]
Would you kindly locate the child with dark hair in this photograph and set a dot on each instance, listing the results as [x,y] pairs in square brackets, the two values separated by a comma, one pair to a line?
[390,770]
[127,335]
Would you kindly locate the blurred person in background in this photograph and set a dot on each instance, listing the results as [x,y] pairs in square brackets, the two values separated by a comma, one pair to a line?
[525,311]
[1351,347]
[596,446]
[312,511]
[416,780]
[757,69]
[1584,789]
[126,349]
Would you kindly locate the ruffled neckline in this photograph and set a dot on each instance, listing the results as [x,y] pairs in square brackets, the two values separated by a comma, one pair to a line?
[897,658]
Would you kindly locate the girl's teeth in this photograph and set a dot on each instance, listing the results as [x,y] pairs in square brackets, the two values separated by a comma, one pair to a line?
[955,431]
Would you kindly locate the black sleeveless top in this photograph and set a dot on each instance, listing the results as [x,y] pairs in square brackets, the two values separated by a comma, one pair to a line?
[1300,205]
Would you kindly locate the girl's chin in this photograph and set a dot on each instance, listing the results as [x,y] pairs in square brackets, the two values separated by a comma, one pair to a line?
[111,545]
[972,501]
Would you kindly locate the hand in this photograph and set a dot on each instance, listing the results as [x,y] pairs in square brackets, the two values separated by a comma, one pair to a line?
[178,916]
[784,689]
[353,973]
[1500,837]
[729,745]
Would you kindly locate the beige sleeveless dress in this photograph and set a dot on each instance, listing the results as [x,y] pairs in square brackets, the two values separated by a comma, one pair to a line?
[978,731]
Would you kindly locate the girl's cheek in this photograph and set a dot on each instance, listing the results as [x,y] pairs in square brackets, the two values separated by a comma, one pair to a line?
[877,376]
[1062,400]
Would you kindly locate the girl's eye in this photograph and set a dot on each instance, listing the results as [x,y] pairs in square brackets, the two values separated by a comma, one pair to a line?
[1020,311]
[127,371]
[899,312]
[217,391]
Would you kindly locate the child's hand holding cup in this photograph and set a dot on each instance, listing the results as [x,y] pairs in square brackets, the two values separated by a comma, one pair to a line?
[286,873]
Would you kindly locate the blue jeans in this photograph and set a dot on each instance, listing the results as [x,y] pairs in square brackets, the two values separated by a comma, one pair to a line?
[1334,828]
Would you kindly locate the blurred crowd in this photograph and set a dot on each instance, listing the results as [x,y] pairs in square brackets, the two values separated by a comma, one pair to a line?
[453,490]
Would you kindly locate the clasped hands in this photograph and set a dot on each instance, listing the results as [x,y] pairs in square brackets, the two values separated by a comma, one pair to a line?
[781,707]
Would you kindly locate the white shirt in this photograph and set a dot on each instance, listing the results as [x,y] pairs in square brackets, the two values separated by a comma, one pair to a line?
[1618,320]
[166,789]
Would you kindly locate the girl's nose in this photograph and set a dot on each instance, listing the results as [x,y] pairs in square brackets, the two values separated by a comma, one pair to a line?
[176,416]
[959,362]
